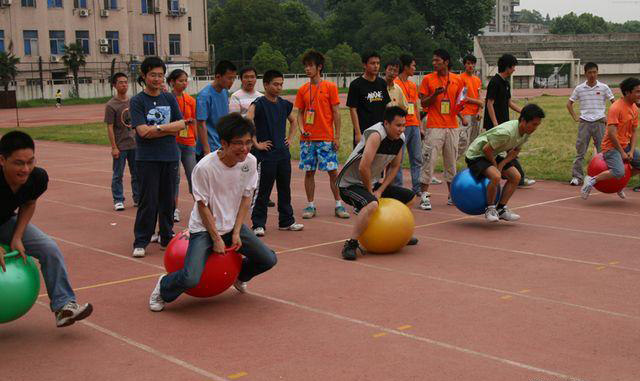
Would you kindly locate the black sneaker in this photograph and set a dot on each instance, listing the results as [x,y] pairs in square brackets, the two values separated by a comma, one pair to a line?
[412,242]
[350,249]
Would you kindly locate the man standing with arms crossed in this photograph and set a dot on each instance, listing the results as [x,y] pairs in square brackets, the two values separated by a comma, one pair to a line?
[592,95]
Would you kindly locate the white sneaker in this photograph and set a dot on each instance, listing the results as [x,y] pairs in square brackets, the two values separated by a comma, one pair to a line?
[176,215]
[293,227]
[259,232]
[622,195]
[491,214]
[449,201]
[240,286]
[508,215]
[527,182]
[435,181]
[156,304]
[588,184]
[118,206]
[574,181]
[71,313]
[155,237]
[425,202]
[138,252]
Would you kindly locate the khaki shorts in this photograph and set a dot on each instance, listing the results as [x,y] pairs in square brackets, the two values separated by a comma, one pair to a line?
[436,139]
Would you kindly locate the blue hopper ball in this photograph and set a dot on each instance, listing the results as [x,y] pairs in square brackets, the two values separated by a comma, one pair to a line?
[470,195]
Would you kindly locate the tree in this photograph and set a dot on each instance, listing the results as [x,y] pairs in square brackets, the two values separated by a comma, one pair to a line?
[530,16]
[267,58]
[344,60]
[584,24]
[74,59]
[8,69]
[390,53]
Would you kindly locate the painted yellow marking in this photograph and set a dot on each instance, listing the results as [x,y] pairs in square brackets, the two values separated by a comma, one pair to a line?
[404,327]
[506,297]
[235,376]
[112,283]
[601,267]
[614,263]
[525,291]
[380,334]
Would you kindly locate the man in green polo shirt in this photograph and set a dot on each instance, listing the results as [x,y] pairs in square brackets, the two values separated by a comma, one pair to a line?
[485,158]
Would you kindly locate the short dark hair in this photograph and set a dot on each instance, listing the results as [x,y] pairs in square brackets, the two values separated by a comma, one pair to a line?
[314,57]
[590,65]
[234,125]
[392,63]
[247,69]
[469,58]
[405,61]
[506,61]
[442,54]
[628,85]
[114,78]
[531,112]
[149,64]
[223,67]
[270,75]
[390,113]
[368,55]
[175,74]
[13,141]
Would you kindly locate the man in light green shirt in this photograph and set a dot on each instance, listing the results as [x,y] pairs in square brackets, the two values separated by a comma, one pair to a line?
[486,158]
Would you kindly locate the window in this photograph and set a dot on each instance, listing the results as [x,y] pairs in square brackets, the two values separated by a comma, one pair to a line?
[80,4]
[56,41]
[82,38]
[1,41]
[149,44]
[173,5]
[110,4]
[114,41]
[54,3]
[30,42]
[174,44]
[189,23]
[147,6]
[28,3]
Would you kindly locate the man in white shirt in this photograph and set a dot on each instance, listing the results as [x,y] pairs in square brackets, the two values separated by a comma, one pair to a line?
[223,183]
[592,96]
[242,98]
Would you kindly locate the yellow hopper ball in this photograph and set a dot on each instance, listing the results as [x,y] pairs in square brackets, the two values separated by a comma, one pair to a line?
[389,229]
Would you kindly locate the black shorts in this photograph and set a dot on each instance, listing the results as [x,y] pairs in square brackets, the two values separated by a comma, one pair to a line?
[479,165]
[358,196]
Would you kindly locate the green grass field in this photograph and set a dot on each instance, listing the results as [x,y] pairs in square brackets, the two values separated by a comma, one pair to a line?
[548,154]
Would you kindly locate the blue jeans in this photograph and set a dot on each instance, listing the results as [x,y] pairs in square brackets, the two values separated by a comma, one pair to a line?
[414,147]
[118,171]
[46,251]
[188,159]
[615,163]
[258,258]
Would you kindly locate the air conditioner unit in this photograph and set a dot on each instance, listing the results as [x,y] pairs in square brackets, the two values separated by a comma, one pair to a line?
[6,3]
[156,9]
[174,13]
[84,13]
[183,11]
[54,59]
[104,13]
[103,41]
[104,49]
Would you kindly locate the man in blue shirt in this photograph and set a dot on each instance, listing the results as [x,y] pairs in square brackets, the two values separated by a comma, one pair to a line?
[212,104]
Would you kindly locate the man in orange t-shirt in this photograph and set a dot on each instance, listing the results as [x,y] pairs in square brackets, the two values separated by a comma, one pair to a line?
[472,111]
[440,93]
[319,120]
[618,145]
[412,136]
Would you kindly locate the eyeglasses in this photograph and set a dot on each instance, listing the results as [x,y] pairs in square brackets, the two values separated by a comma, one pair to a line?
[239,143]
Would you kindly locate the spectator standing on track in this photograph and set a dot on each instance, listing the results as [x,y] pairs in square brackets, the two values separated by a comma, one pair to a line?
[242,98]
[122,139]
[472,112]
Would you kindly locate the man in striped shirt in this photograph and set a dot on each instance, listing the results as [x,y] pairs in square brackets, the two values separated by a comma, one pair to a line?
[592,96]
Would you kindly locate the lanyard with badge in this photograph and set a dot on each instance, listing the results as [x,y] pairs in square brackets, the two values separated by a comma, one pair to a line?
[310,114]
[410,110]
[445,103]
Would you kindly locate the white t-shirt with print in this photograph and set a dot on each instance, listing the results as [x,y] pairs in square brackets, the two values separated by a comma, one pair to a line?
[221,188]
[241,100]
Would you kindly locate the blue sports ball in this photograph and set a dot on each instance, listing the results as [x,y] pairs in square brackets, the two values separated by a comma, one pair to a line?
[470,195]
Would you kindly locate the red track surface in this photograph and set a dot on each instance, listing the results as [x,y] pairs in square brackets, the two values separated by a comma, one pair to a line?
[552,297]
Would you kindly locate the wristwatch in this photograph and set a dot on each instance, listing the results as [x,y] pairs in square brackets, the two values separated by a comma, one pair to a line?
[159,128]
